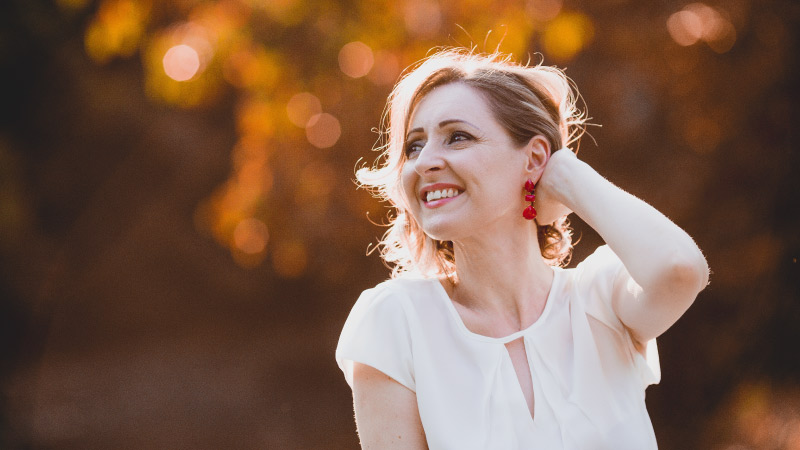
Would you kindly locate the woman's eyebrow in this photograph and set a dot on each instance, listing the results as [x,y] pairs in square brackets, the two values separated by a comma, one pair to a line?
[442,124]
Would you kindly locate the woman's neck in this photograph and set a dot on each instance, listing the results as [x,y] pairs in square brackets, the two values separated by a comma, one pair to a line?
[505,278]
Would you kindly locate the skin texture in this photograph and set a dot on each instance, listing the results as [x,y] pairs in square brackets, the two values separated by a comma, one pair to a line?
[386,412]
[503,280]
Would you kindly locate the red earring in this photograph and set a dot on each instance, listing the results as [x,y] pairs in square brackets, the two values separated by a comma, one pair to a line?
[530,211]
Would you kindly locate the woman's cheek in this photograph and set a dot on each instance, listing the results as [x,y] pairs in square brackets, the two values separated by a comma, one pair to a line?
[408,191]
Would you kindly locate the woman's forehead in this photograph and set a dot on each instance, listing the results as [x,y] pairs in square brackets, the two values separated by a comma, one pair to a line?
[454,101]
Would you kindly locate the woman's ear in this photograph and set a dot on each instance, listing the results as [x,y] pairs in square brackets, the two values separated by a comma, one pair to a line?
[537,151]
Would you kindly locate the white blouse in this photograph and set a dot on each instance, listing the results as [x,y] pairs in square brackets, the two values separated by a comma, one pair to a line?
[588,378]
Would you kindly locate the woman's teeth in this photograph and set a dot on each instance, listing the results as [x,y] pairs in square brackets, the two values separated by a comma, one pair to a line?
[444,193]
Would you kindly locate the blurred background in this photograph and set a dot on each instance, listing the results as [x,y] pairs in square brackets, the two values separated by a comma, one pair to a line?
[181,239]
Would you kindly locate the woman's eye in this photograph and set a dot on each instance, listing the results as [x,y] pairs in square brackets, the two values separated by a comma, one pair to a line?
[413,147]
[458,136]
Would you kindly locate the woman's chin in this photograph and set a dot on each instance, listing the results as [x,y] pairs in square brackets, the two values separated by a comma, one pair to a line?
[441,230]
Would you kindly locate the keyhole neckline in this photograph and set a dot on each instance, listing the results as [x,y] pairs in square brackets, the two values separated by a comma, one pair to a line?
[557,272]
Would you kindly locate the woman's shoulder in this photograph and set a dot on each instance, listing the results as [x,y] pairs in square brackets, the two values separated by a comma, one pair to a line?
[405,296]
[405,289]
[601,266]
[381,328]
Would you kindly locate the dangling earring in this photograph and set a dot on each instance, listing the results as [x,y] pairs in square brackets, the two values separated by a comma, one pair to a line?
[530,211]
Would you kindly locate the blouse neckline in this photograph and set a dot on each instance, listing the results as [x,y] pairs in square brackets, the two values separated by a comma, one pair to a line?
[511,337]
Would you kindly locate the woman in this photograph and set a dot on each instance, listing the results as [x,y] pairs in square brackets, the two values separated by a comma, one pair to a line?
[481,340]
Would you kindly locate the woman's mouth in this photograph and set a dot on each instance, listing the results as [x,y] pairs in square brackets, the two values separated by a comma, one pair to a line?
[439,196]
[442,193]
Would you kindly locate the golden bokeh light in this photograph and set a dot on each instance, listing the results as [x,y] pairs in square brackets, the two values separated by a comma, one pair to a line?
[723,37]
[423,18]
[386,69]
[251,66]
[181,62]
[176,60]
[116,30]
[566,35]
[226,18]
[685,27]
[254,176]
[302,107]
[698,21]
[356,59]
[249,150]
[251,236]
[544,10]
[221,213]
[712,22]
[255,118]
[323,130]
[289,258]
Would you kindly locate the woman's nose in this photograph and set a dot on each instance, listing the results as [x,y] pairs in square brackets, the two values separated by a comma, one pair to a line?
[429,159]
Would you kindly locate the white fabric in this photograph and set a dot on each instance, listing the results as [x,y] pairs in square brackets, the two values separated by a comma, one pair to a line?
[588,378]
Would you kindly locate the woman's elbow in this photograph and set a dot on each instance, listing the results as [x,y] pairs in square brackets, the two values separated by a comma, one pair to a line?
[688,273]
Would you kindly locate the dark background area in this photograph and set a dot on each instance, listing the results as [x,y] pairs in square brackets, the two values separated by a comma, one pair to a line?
[177,258]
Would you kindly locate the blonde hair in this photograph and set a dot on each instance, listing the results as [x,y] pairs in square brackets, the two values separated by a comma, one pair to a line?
[526,100]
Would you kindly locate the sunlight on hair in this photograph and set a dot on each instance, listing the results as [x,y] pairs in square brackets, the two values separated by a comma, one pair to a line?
[356,59]
[181,62]
[323,130]
[302,107]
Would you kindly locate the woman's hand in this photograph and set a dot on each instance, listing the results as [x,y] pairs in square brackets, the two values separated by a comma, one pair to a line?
[549,205]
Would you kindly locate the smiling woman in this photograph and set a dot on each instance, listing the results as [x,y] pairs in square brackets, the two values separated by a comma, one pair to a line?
[525,101]
[481,340]
[446,134]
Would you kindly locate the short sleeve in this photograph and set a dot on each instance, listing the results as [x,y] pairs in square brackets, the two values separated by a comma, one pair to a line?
[599,278]
[376,333]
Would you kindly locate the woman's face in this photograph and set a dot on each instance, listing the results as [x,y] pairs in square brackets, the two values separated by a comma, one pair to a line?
[463,175]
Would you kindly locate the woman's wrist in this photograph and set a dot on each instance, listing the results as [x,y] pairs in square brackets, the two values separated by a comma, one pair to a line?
[563,177]
[553,188]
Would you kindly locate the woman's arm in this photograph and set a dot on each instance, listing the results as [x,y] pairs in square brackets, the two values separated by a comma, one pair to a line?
[387,415]
[667,269]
